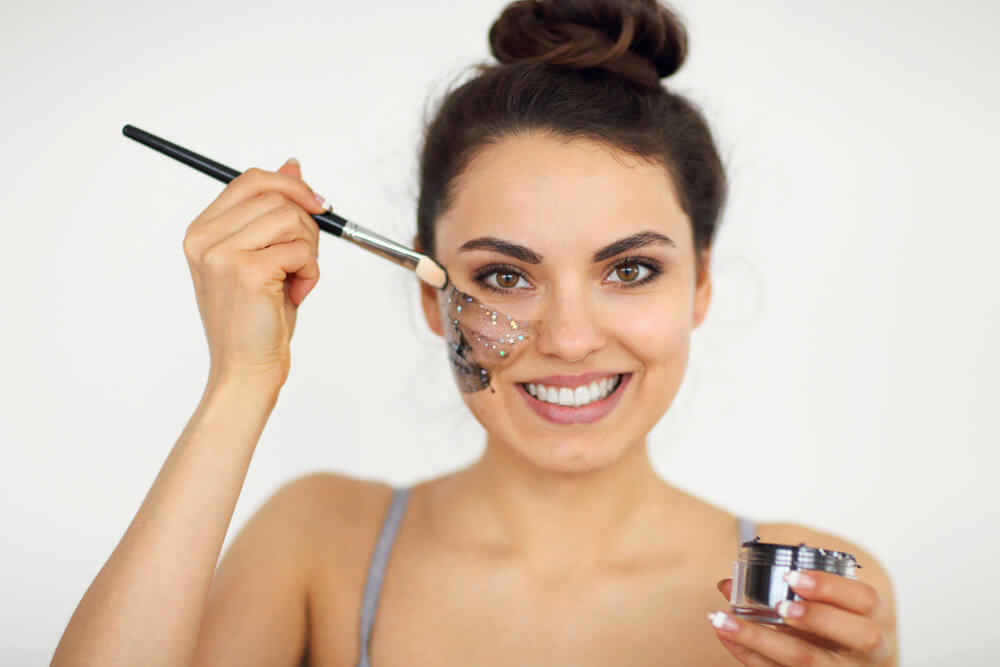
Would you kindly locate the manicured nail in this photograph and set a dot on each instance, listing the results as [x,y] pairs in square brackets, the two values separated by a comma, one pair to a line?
[722,621]
[292,160]
[789,609]
[322,202]
[800,580]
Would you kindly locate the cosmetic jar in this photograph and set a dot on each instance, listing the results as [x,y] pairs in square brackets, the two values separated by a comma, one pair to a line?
[758,576]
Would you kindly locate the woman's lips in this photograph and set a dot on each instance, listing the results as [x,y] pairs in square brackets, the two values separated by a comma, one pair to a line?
[586,414]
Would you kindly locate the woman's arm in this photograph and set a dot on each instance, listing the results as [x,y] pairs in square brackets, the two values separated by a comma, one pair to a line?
[257,611]
[252,254]
[145,605]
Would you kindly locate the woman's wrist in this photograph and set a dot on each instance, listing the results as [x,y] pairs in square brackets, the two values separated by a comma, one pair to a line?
[229,402]
[250,387]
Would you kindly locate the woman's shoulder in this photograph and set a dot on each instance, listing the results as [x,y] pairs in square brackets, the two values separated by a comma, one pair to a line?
[322,487]
[321,507]
[315,521]
[296,560]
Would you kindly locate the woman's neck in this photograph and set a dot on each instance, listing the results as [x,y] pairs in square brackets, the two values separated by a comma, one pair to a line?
[557,522]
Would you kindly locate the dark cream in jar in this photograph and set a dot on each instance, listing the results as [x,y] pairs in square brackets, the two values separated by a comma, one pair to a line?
[759,576]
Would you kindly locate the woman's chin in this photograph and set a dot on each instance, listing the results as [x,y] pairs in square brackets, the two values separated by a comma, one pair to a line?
[569,455]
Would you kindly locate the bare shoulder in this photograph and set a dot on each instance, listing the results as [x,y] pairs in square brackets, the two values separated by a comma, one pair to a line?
[309,542]
[326,508]
[323,487]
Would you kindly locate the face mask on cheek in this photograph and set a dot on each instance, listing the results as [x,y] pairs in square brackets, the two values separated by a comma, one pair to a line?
[480,338]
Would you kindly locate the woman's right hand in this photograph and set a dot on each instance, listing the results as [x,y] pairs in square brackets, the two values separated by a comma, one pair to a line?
[252,254]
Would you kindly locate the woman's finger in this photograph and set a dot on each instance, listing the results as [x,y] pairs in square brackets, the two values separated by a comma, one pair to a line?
[277,262]
[780,647]
[284,224]
[254,182]
[849,594]
[845,628]
[745,655]
[725,587]
[294,169]
[208,232]
[291,168]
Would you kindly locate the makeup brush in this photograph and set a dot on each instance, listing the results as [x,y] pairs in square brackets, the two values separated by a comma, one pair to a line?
[426,268]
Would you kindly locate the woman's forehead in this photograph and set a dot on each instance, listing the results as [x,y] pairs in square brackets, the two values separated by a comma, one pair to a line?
[550,191]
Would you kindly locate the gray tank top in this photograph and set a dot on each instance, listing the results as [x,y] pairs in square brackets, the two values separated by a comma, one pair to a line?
[380,558]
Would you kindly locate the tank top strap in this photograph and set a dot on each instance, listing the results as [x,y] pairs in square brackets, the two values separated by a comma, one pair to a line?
[377,565]
[748,530]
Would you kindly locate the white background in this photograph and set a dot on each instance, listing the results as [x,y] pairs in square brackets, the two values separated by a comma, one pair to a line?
[845,377]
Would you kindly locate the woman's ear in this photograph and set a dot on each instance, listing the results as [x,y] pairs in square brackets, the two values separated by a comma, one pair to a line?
[429,300]
[703,288]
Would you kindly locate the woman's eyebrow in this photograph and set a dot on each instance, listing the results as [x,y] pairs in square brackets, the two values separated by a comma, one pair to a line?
[504,247]
[528,255]
[630,243]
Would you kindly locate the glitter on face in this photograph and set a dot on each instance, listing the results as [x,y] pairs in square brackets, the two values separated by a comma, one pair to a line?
[479,338]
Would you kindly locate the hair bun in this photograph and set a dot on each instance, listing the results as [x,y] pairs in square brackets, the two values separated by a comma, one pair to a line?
[640,39]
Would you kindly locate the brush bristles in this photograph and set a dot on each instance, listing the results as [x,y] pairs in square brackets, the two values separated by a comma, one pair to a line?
[431,273]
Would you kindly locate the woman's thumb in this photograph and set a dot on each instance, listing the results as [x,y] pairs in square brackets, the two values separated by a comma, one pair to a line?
[291,168]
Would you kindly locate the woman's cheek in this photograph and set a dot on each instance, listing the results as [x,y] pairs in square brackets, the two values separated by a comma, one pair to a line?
[658,335]
[478,406]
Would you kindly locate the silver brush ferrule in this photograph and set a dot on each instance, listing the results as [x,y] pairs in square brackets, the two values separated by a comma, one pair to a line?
[380,245]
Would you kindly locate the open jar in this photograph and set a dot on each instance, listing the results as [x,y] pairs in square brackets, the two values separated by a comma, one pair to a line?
[758,576]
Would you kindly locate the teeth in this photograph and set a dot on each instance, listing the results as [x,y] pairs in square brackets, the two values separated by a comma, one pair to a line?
[574,397]
[565,396]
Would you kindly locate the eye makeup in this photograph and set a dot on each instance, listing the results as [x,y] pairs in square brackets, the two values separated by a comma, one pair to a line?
[480,338]
[643,270]
[646,268]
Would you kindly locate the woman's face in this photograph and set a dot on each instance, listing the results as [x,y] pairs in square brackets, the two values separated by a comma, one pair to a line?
[592,245]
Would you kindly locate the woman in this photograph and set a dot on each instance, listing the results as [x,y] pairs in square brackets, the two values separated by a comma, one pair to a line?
[567,188]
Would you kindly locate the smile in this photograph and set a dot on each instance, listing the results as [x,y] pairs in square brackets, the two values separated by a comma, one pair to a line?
[585,394]
[567,401]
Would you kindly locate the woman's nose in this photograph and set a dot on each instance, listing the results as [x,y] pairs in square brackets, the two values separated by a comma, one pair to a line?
[570,328]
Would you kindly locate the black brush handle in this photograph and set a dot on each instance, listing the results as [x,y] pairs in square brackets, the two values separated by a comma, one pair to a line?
[328,222]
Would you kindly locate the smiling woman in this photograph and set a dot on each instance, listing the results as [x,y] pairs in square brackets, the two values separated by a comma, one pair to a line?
[574,200]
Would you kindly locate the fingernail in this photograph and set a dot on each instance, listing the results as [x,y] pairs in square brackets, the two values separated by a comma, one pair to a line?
[722,621]
[799,580]
[292,160]
[789,609]
[322,202]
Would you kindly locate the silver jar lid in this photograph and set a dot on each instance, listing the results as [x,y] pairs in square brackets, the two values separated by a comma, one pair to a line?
[799,557]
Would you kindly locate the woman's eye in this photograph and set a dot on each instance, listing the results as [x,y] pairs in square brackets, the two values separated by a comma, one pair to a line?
[628,272]
[504,279]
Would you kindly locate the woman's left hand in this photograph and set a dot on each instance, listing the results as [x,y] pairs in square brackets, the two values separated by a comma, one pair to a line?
[840,621]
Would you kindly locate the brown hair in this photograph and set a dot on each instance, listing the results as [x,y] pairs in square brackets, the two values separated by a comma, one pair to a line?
[579,69]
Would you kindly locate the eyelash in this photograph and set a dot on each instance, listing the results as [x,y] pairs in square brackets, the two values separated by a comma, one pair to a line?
[654,267]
